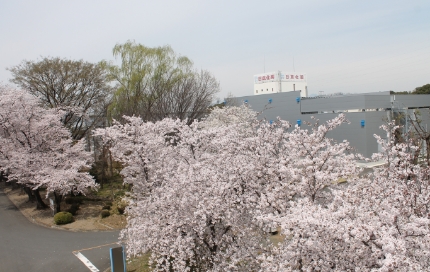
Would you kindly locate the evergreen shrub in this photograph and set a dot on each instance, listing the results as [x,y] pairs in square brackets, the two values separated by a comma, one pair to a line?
[63,218]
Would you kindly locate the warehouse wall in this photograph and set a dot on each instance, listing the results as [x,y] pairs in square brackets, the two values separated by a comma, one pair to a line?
[373,108]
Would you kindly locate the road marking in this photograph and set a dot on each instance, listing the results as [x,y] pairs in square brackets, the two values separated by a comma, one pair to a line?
[86,262]
[84,259]
[116,243]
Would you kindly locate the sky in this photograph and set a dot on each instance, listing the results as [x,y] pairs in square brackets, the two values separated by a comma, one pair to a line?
[341,45]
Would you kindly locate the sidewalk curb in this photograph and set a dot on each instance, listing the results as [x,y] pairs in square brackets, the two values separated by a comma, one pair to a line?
[53,226]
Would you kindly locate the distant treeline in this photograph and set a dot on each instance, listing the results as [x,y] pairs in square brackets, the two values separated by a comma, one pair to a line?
[425,89]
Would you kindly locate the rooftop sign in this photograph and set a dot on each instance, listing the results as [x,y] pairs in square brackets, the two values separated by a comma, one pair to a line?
[274,76]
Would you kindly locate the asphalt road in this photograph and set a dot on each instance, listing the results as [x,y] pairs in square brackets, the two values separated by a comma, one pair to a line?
[25,246]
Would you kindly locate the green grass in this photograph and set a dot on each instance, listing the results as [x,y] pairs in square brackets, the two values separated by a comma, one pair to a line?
[139,264]
[112,190]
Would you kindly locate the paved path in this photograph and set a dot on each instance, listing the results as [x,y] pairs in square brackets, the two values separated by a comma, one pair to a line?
[25,246]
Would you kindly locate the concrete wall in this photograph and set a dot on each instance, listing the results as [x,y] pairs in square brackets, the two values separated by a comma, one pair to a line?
[295,86]
[266,88]
[276,87]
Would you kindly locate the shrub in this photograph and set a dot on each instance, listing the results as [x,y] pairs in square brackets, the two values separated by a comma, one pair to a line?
[119,194]
[108,204]
[118,207]
[63,218]
[121,209]
[106,207]
[105,213]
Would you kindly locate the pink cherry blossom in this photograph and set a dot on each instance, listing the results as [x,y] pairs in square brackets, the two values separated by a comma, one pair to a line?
[36,150]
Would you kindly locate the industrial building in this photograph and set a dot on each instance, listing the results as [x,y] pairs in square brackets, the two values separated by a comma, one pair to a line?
[278,82]
[366,112]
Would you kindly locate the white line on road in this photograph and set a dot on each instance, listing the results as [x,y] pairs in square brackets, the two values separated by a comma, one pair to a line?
[86,261]
[83,259]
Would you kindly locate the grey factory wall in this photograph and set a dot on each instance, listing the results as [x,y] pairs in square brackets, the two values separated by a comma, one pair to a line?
[412,100]
[333,103]
[283,105]
[376,112]
[360,137]
[347,102]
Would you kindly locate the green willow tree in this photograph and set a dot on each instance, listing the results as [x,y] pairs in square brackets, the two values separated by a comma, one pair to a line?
[155,83]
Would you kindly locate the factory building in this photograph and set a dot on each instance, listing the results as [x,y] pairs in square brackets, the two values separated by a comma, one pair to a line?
[279,82]
[366,112]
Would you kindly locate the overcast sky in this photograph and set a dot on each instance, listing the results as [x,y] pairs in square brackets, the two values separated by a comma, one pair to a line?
[342,46]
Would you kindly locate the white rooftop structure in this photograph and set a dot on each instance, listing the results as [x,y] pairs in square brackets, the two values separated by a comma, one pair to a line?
[278,82]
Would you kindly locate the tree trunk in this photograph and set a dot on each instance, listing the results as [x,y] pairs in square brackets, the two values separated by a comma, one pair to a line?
[110,165]
[40,204]
[29,193]
[58,198]
[3,176]
[104,166]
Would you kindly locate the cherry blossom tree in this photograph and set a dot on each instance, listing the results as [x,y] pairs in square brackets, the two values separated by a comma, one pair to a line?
[302,163]
[37,150]
[319,160]
[242,115]
[187,207]
[205,196]
[375,223]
